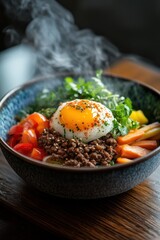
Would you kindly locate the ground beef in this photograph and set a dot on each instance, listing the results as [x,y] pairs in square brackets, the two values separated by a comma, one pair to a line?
[73,152]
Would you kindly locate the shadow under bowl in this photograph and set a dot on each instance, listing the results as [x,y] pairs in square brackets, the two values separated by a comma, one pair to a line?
[79,183]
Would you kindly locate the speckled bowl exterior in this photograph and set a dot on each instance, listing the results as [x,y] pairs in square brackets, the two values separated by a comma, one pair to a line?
[83,183]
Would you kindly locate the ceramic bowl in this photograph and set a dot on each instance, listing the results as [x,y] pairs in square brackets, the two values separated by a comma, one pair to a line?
[80,183]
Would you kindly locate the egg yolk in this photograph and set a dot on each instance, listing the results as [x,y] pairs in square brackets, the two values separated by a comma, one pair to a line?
[80,115]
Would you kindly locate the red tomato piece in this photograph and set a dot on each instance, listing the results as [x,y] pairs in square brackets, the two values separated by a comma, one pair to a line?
[29,136]
[41,120]
[42,126]
[16,130]
[13,140]
[37,153]
[24,148]
[29,123]
[37,117]
[23,136]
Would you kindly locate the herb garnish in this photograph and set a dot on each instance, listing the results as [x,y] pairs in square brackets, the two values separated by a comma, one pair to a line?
[47,101]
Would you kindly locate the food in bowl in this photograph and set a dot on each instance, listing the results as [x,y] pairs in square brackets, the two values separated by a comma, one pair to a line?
[82,119]
[83,124]
[46,175]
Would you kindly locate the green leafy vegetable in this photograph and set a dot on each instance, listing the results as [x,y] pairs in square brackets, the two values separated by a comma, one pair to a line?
[122,122]
[47,101]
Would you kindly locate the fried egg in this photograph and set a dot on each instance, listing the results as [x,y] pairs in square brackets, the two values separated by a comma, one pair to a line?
[82,119]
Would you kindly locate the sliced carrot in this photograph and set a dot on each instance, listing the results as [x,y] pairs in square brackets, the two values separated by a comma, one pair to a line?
[138,143]
[148,144]
[151,133]
[130,137]
[118,149]
[121,160]
[128,151]
[150,126]
[139,134]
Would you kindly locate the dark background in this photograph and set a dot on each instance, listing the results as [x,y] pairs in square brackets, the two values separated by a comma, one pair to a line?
[132,25]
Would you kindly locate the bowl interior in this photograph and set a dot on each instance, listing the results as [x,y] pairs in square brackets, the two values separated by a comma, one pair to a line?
[143,98]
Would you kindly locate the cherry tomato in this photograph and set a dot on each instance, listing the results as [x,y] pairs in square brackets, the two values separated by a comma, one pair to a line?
[29,123]
[24,148]
[16,129]
[37,153]
[37,117]
[42,126]
[41,120]
[29,136]
[23,136]
[13,140]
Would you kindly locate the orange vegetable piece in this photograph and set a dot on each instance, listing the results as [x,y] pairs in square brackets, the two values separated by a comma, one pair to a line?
[122,160]
[41,121]
[151,133]
[150,126]
[29,136]
[128,151]
[28,123]
[130,137]
[118,149]
[42,126]
[37,117]
[37,153]
[148,144]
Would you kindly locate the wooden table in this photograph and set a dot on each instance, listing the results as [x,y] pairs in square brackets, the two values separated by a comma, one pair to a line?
[26,213]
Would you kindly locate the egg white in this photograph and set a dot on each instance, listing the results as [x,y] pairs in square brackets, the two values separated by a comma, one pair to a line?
[105,126]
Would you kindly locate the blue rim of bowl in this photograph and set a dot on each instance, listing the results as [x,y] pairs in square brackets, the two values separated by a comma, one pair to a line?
[59,167]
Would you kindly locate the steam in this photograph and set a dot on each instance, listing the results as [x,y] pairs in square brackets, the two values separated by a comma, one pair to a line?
[58,43]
